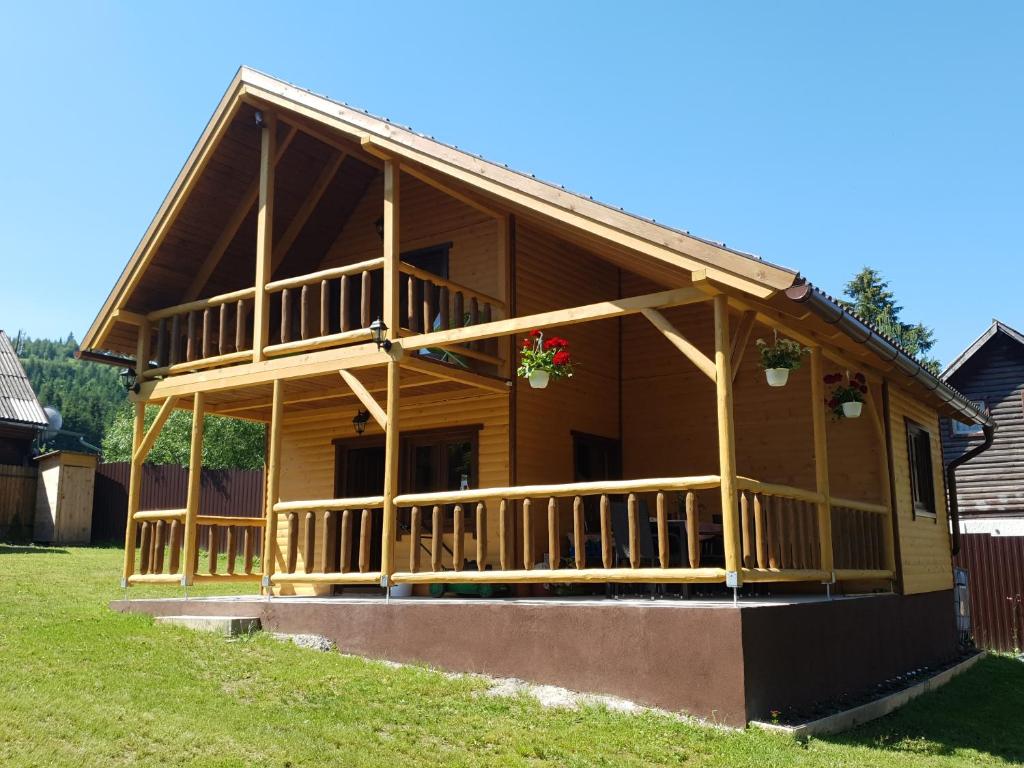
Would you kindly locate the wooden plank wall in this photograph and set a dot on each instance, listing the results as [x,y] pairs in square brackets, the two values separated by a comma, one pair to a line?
[925,557]
[17,502]
[307,468]
[993,482]
[669,414]
[428,218]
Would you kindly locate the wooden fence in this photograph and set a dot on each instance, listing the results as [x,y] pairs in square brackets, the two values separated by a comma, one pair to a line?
[995,583]
[17,502]
[225,493]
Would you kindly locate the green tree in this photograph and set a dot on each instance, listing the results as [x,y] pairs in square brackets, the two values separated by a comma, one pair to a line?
[227,443]
[87,394]
[872,301]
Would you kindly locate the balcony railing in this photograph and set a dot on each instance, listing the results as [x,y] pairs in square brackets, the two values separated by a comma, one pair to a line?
[329,308]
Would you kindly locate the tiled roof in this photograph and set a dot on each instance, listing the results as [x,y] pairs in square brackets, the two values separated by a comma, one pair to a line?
[18,403]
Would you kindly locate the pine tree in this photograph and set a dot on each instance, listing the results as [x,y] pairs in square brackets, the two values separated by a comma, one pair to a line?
[873,302]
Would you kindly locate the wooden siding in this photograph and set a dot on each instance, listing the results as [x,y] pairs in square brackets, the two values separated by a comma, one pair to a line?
[993,482]
[308,454]
[669,415]
[17,502]
[925,556]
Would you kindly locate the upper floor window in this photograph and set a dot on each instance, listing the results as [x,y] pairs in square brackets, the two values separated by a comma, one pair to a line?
[967,430]
[922,478]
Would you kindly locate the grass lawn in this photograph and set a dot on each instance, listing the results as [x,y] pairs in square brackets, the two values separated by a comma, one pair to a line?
[82,686]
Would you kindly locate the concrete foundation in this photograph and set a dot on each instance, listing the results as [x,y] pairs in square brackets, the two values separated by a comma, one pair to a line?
[710,658]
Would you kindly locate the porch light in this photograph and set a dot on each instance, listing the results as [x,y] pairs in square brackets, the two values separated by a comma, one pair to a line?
[130,380]
[379,329]
[359,421]
[379,226]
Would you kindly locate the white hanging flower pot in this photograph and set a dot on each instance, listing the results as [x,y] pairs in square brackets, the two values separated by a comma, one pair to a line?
[852,410]
[777,377]
[539,379]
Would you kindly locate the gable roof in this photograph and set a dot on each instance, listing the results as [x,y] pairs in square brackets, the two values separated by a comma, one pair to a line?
[997,327]
[18,403]
[514,189]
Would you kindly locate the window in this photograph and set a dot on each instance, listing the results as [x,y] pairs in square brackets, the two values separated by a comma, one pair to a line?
[967,430]
[922,479]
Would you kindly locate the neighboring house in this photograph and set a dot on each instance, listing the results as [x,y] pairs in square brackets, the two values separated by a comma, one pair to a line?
[21,419]
[990,488]
[21,416]
[363,290]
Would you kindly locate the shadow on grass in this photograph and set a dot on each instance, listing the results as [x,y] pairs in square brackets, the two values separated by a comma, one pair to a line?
[978,710]
[29,549]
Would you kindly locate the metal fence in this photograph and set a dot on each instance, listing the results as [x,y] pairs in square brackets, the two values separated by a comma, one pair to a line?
[229,492]
[995,566]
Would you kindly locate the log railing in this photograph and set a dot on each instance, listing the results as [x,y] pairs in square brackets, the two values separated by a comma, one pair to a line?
[431,303]
[325,309]
[580,532]
[779,535]
[161,545]
[202,334]
[333,537]
[859,542]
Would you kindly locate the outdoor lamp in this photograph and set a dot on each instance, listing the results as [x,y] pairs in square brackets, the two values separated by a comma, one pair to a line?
[380,334]
[379,226]
[359,421]
[130,380]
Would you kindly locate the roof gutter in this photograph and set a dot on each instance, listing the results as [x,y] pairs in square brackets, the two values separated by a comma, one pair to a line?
[834,314]
[954,506]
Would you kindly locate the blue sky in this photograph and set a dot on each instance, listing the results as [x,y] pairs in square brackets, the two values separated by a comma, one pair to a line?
[822,136]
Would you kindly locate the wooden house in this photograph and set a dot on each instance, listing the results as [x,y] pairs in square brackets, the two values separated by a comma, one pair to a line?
[989,490]
[416,456]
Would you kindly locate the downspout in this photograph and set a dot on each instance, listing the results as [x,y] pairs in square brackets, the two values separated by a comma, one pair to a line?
[954,508]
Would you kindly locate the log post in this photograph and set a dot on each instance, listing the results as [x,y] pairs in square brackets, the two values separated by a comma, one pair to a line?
[195,473]
[264,237]
[391,448]
[273,478]
[726,441]
[392,256]
[821,464]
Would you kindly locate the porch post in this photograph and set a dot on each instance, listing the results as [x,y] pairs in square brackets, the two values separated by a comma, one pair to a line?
[268,557]
[134,491]
[264,237]
[726,441]
[821,463]
[392,257]
[195,473]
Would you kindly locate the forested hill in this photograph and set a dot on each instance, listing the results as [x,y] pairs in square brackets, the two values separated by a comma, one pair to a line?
[87,394]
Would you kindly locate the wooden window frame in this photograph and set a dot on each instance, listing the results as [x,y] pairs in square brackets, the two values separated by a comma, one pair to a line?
[920,508]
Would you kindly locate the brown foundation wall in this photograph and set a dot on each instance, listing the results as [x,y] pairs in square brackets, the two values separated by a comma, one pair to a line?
[714,661]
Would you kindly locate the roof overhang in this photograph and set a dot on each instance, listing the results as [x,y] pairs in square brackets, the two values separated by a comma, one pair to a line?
[510,189]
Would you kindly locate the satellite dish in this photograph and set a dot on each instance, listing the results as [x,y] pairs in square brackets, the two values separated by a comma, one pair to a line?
[54,420]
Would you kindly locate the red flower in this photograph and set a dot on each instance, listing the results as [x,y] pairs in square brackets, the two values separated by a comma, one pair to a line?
[551,343]
[561,358]
[527,343]
[860,378]
[534,333]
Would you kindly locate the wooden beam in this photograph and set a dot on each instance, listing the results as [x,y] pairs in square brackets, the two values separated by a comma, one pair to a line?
[432,181]
[195,473]
[824,506]
[368,401]
[451,373]
[264,238]
[391,447]
[726,437]
[269,557]
[134,493]
[292,367]
[392,245]
[238,216]
[680,342]
[582,314]
[740,339]
[309,205]
[146,444]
